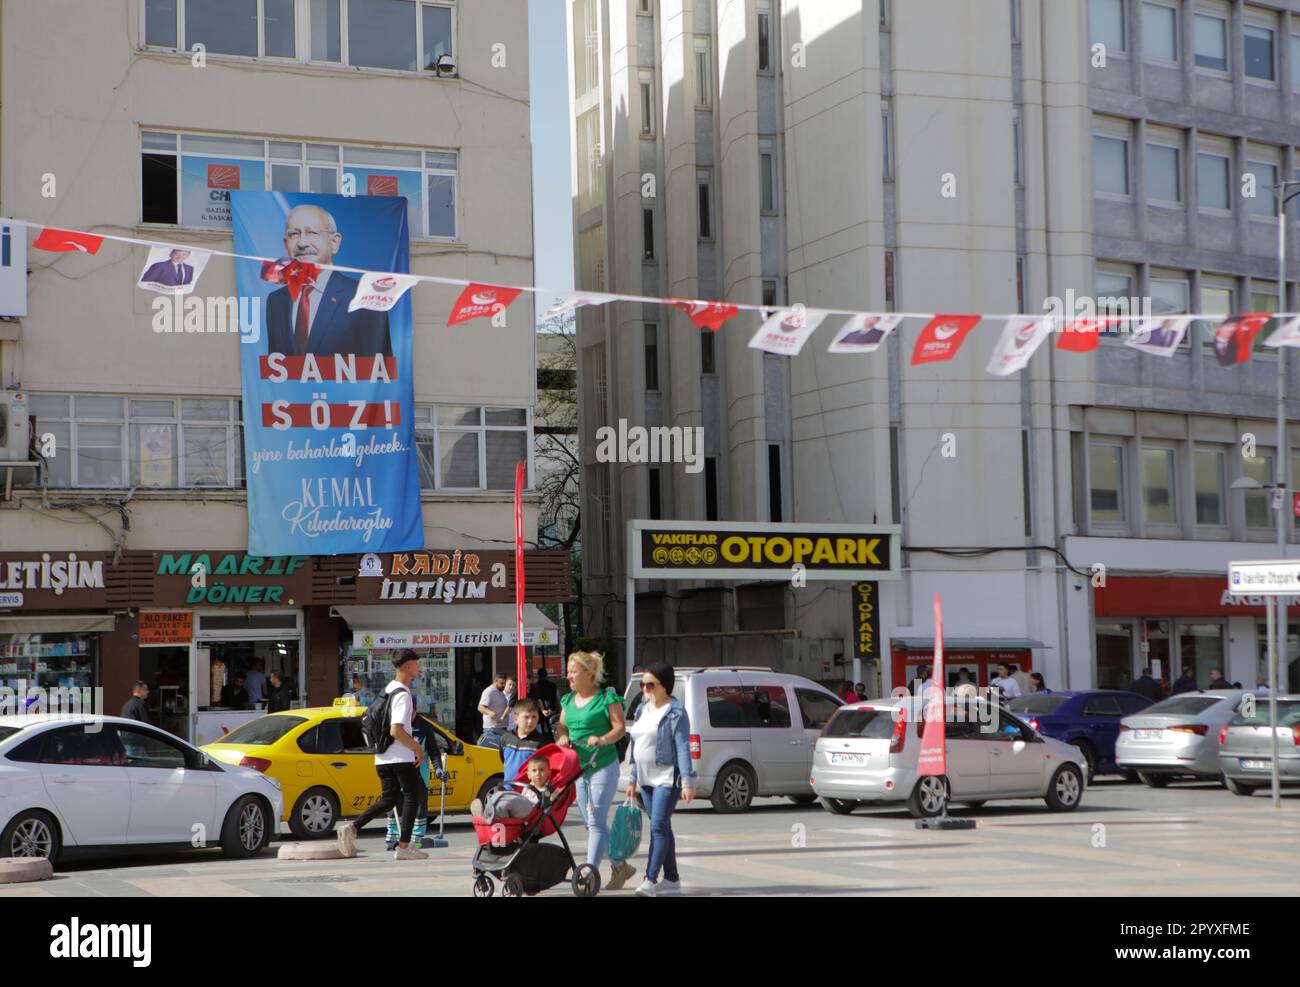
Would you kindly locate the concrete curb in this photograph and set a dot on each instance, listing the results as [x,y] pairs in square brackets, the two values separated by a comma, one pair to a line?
[19,870]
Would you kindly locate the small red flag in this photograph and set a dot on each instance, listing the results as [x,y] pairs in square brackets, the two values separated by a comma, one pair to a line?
[942,337]
[480,300]
[1234,337]
[66,241]
[933,759]
[1084,335]
[707,315]
[1295,504]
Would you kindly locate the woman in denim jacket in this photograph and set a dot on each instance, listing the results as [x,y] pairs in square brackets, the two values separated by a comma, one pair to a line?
[661,767]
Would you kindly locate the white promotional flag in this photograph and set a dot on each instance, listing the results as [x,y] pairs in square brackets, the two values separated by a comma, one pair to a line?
[1160,336]
[1020,337]
[864,333]
[381,291]
[571,302]
[172,270]
[787,331]
[1287,334]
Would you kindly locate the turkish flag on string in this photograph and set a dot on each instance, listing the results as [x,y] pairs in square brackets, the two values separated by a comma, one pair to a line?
[942,337]
[706,315]
[933,759]
[479,301]
[1234,337]
[67,241]
[1084,335]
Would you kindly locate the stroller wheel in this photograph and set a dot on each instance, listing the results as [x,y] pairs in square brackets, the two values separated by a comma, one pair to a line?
[483,886]
[586,881]
[513,886]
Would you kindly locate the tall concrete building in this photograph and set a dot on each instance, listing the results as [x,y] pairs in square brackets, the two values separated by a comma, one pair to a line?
[939,156]
[134,118]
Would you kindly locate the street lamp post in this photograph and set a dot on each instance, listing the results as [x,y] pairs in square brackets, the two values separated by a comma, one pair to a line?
[1286,191]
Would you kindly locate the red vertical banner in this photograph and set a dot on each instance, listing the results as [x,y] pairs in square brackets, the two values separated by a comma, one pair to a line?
[521,689]
[933,757]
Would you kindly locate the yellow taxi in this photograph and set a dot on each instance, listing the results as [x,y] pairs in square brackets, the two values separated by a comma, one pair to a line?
[326,771]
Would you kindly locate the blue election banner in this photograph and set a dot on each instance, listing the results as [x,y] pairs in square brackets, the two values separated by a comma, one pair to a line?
[329,436]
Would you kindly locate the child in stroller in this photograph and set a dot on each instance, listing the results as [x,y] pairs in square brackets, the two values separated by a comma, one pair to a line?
[511,847]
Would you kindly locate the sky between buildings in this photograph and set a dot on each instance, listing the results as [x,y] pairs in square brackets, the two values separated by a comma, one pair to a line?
[552,205]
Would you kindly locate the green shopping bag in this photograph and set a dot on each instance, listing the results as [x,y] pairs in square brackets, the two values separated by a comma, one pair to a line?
[625,833]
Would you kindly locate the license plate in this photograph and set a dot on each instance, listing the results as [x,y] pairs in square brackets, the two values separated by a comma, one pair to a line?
[1254,765]
[1147,734]
[842,757]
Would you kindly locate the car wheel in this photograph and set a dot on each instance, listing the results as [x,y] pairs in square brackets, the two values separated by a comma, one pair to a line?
[734,789]
[841,807]
[1089,756]
[1066,789]
[246,831]
[928,797]
[513,886]
[1238,787]
[314,814]
[32,834]
[486,788]
[803,799]
[586,881]
[1153,780]
[483,886]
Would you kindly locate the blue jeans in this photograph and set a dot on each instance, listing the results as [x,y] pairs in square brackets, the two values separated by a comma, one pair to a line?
[595,796]
[659,801]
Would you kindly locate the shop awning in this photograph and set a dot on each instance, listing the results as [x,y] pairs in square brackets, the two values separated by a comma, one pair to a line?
[65,623]
[437,625]
[967,643]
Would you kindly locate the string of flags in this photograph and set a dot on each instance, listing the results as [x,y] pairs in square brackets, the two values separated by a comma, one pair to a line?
[175,269]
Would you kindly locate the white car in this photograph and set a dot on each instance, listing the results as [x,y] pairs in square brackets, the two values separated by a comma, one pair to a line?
[81,782]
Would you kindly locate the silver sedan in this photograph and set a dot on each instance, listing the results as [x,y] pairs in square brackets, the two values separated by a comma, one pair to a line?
[1177,736]
[1246,750]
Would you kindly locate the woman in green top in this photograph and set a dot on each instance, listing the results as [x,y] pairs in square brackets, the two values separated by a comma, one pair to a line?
[591,721]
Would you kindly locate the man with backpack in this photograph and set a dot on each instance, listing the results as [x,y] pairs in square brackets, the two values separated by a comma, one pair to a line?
[386,726]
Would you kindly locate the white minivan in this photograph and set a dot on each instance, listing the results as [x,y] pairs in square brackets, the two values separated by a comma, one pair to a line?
[753,731]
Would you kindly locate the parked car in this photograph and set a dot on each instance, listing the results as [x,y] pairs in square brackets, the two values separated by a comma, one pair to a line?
[1246,750]
[869,751]
[81,783]
[327,772]
[1177,736]
[1088,720]
[752,731]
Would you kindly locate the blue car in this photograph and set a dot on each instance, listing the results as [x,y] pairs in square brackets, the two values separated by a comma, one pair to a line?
[1088,720]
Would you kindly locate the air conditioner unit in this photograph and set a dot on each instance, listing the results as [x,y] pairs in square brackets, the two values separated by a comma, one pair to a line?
[14,437]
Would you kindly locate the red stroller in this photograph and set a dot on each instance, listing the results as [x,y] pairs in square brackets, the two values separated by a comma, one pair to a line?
[512,849]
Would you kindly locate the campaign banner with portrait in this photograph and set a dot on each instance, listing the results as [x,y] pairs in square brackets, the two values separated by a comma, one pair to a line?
[329,439]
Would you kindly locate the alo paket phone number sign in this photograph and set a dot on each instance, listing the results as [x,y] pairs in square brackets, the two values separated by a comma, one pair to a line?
[737,550]
[1281,578]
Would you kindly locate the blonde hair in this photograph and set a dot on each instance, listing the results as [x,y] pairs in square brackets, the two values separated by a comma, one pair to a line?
[592,661]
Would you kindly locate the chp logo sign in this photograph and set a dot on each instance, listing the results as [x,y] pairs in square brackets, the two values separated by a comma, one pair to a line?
[689,550]
[223,176]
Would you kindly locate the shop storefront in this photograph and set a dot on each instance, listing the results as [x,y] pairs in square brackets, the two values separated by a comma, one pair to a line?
[978,657]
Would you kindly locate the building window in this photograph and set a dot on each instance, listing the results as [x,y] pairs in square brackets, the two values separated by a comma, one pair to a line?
[1164,174]
[884,15]
[769,293]
[656,505]
[1295,63]
[704,186]
[647,106]
[403,35]
[1113,292]
[643,7]
[1109,165]
[1207,469]
[651,357]
[710,488]
[1169,296]
[767,179]
[1022,298]
[774,483]
[180,171]
[1214,301]
[1106,24]
[1016,173]
[703,76]
[1160,32]
[1015,20]
[471,447]
[1259,52]
[889,280]
[1264,202]
[708,363]
[648,233]
[596,535]
[886,144]
[1258,505]
[1211,42]
[1213,177]
[1158,486]
[764,40]
[1106,474]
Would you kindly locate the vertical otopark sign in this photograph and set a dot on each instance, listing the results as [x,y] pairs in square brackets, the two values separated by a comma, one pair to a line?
[329,438]
[866,621]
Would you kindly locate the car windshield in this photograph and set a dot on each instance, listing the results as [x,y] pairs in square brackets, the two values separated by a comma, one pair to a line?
[868,724]
[1185,705]
[1037,705]
[1288,714]
[263,731]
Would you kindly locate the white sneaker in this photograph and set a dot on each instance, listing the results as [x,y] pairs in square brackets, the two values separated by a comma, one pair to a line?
[648,889]
[666,888]
[410,853]
[346,834]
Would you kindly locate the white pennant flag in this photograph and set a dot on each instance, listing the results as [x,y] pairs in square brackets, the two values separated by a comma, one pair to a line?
[1287,334]
[1160,336]
[786,331]
[172,270]
[381,291]
[864,333]
[571,302]
[1020,337]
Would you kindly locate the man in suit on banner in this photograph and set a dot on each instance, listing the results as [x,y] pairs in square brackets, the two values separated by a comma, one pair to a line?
[173,272]
[317,320]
